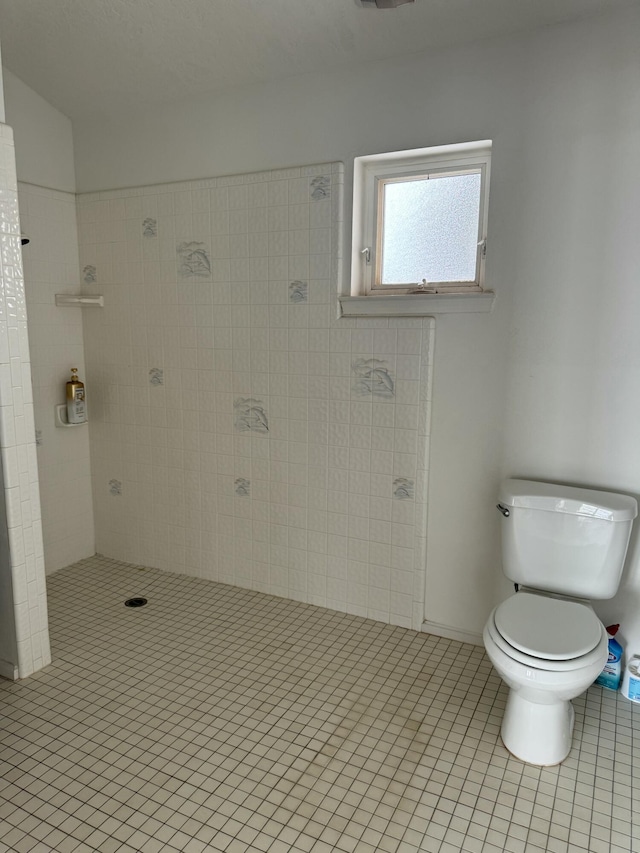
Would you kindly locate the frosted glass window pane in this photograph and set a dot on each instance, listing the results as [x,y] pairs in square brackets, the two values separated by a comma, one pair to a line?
[431,229]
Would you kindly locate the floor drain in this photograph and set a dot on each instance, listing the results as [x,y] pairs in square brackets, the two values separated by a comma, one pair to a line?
[135,602]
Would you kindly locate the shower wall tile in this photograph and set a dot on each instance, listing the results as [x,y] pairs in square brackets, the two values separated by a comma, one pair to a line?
[56,345]
[285,450]
[23,609]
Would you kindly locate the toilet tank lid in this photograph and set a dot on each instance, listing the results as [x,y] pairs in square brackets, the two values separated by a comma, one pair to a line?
[554,497]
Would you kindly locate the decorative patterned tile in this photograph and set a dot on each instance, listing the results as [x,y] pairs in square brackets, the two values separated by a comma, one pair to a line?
[156,376]
[242,487]
[193,260]
[320,187]
[150,227]
[298,291]
[403,489]
[250,415]
[372,378]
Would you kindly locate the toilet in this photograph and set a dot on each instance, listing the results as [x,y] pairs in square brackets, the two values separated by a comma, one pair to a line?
[562,547]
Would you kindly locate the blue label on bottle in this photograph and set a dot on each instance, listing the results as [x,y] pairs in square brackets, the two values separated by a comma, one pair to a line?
[610,680]
[615,650]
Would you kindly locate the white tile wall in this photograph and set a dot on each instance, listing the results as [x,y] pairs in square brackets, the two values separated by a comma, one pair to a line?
[220,320]
[17,434]
[50,260]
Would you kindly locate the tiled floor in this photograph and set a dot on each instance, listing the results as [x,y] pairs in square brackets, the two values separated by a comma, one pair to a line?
[216,718]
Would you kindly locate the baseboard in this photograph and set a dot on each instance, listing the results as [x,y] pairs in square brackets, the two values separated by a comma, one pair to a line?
[8,670]
[452,633]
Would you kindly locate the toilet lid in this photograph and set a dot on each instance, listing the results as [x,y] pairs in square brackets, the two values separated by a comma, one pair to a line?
[550,628]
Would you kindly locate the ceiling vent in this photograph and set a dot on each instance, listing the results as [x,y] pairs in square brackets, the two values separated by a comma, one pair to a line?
[382,4]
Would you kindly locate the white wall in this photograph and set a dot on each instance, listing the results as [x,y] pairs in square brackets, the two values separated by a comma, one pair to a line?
[43,137]
[51,266]
[544,386]
[574,373]
[374,107]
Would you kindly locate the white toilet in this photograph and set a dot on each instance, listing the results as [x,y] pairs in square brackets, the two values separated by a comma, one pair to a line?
[561,546]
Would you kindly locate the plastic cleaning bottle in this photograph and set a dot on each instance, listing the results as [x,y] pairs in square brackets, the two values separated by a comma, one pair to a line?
[76,409]
[631,680]
[612,672]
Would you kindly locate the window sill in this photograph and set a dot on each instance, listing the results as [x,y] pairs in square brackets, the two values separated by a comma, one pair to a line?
[417,304]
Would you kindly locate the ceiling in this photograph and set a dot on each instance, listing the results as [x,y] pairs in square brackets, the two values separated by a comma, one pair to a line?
[104,56]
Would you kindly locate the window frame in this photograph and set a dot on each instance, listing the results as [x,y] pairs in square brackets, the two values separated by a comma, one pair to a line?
[370,175]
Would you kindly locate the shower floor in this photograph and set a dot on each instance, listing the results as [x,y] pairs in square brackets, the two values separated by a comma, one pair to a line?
[216,718]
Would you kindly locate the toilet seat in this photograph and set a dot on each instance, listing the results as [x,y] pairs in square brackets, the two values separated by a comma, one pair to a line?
[540,663]
[548,628]
[519,644]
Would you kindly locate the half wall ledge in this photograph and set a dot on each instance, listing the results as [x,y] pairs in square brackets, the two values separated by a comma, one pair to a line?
[417,305]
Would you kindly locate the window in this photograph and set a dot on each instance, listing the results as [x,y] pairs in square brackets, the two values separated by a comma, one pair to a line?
[419,221]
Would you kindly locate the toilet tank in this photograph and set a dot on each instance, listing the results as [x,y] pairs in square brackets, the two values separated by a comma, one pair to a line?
[563,539]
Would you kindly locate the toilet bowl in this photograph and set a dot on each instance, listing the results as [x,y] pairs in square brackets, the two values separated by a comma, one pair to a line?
[562,547]
[548,650]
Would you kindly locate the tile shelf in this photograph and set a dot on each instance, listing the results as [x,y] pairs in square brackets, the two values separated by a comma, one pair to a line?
[72,300]
[417,304]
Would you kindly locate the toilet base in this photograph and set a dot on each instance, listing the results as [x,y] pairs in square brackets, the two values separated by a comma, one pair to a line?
[537,733]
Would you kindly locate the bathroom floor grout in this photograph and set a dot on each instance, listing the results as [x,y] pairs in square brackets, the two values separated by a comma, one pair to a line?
[217,718]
